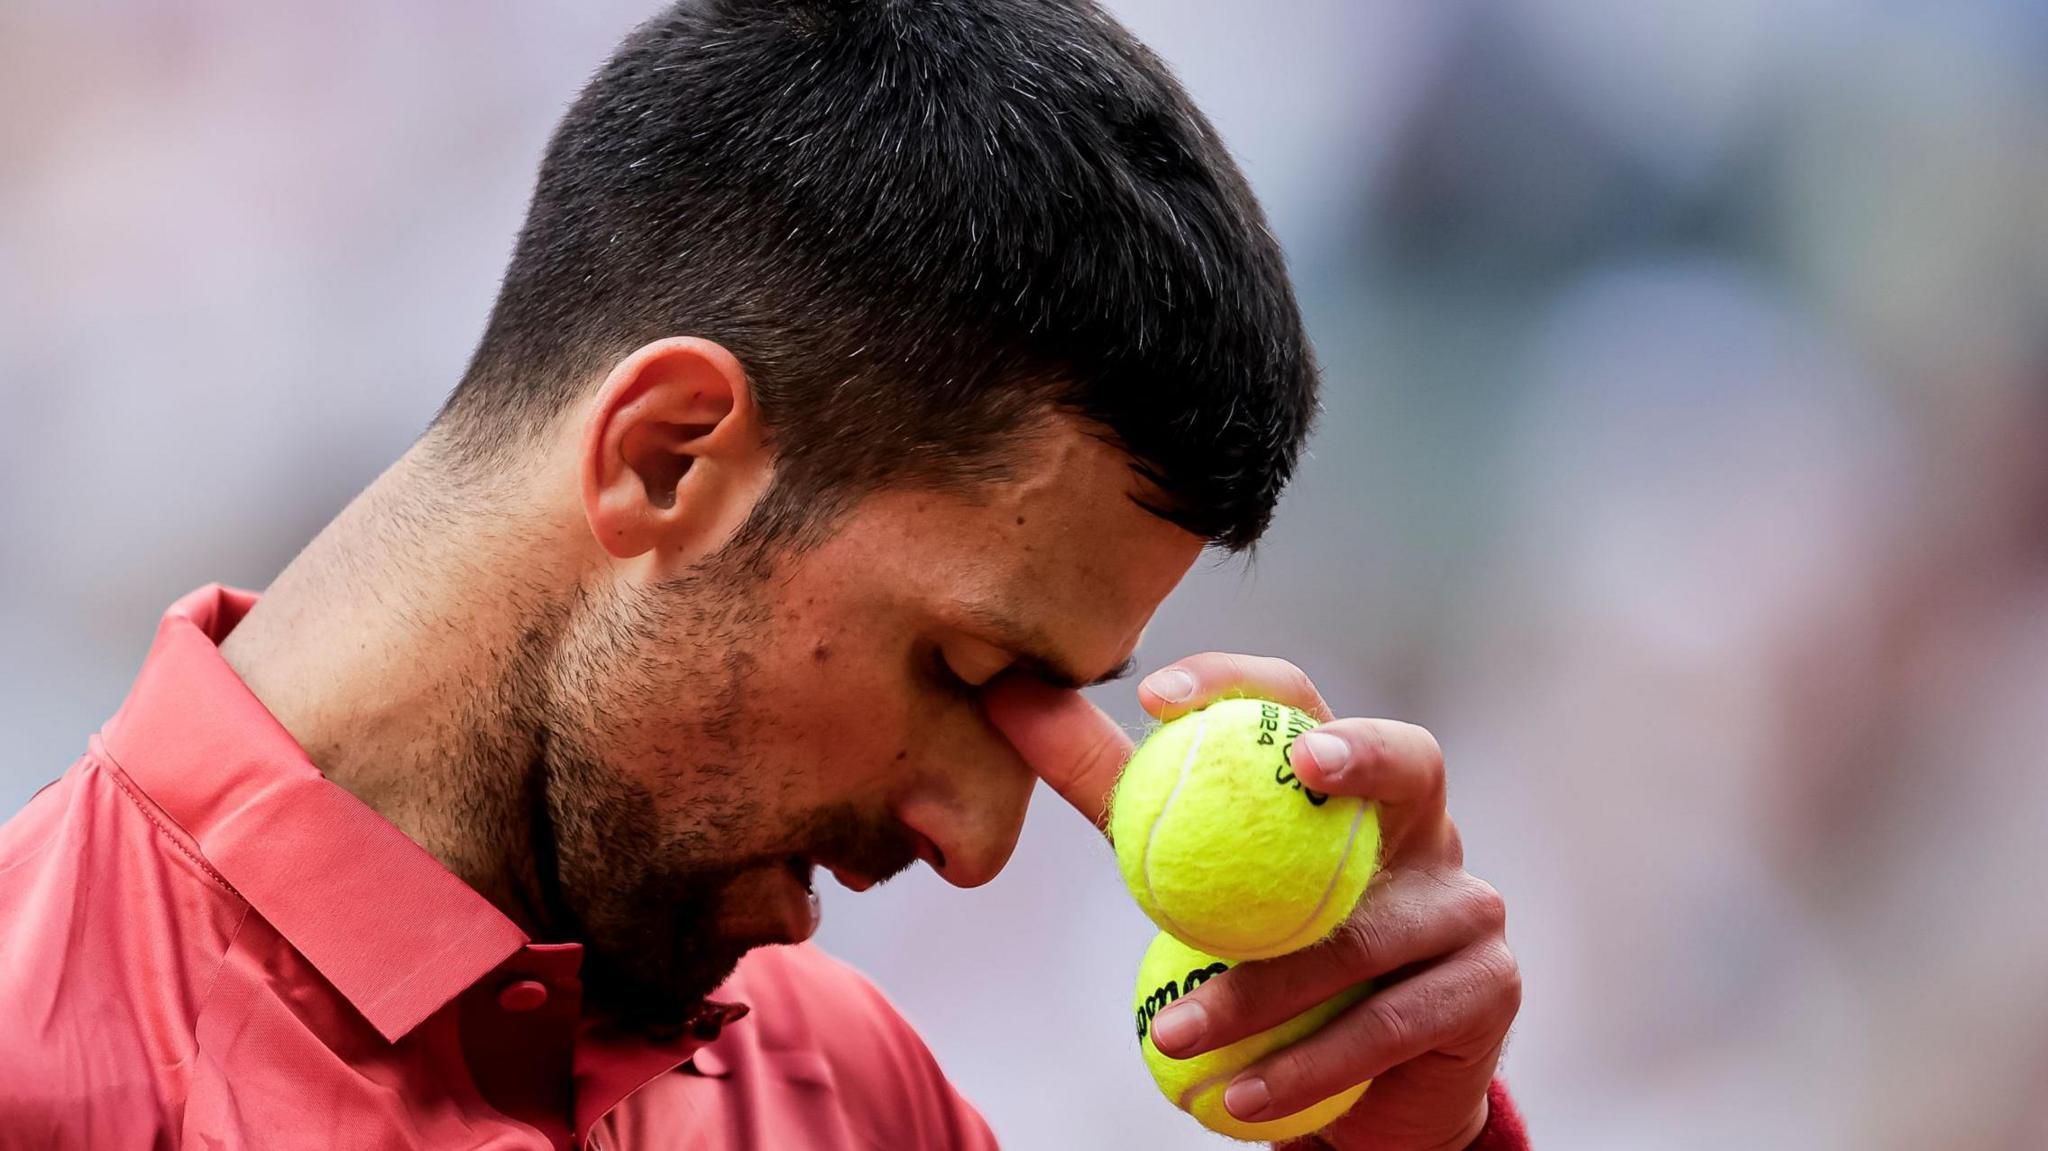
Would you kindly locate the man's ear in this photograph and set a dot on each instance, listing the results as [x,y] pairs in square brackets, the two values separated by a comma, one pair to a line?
[673,454]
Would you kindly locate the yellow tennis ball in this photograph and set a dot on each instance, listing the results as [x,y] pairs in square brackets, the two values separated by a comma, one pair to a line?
[1224,848]
[1170,970]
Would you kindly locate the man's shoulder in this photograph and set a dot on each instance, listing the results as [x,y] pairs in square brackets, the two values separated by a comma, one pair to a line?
[96,883]
[90,849]
[817,1019]
[111,929]
[802,994]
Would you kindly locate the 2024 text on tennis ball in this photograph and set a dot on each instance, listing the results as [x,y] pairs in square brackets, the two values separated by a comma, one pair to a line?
[1223,847]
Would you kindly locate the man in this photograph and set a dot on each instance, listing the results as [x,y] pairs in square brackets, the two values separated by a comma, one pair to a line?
[864,377]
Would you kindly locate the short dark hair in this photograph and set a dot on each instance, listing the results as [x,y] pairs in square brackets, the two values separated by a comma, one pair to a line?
[919,225]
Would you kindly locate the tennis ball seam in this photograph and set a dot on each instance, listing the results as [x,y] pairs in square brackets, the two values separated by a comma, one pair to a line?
[1188,1094]
[1180,780]
[1186,1102]
[1329,889]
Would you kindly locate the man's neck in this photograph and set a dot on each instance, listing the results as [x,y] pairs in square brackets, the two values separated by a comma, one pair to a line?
[398,653]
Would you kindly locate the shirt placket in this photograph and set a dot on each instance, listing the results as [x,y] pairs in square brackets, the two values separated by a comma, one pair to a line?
[519,1026]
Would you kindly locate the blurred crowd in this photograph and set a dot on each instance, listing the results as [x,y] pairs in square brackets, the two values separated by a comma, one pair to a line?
[1683,468]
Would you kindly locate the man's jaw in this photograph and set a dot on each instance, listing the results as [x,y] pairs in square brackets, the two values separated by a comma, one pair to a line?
[774,904]
[778,904]
[775,900]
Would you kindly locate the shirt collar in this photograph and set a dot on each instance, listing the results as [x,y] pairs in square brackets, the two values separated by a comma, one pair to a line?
[396,933]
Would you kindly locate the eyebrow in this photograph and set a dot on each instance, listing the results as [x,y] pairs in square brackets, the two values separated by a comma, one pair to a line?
[1035,652]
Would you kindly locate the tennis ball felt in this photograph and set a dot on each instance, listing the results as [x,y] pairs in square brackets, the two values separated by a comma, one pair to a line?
[1224,848]
[1172,969]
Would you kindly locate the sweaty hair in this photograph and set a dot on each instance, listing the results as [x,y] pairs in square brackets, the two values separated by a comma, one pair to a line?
[921,226]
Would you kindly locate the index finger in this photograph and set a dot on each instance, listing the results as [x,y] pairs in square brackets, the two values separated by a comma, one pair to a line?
[1067,741]
[1193,683]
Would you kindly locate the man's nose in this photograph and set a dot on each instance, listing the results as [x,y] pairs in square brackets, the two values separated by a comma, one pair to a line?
[969,807]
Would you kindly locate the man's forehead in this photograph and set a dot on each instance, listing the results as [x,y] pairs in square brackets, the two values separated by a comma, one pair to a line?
[1057,564]
[1082,564]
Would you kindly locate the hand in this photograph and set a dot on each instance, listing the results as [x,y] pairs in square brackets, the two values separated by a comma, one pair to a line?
[1433,936]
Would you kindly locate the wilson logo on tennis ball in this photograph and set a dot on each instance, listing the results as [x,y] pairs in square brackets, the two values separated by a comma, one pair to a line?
[1171,969]
[1171,990]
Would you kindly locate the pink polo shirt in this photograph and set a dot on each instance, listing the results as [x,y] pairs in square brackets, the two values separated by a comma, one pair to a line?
[204,943]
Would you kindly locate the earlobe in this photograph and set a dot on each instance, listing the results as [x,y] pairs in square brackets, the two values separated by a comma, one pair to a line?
[671,454]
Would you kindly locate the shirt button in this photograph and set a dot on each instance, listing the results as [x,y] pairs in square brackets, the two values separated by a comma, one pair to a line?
[523,995]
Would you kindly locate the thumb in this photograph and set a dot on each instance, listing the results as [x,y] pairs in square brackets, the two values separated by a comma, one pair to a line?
[1067,741]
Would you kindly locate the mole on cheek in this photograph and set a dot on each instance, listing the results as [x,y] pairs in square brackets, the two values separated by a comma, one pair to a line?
[821,651]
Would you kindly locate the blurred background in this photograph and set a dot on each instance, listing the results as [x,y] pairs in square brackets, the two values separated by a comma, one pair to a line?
[1683,468]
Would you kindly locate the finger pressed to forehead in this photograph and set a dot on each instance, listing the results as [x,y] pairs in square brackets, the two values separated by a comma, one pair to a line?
[1189,684]
[1066,740]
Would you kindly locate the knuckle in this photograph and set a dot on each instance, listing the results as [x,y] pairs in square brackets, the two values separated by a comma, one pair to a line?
[1431,751]
[1308,1071]
[1486,907]
[1230,997]
[1500,974]
[1105,753]
[1287,680]
[1392,1026]
[1454,844]
[1368,741]
[1358,942]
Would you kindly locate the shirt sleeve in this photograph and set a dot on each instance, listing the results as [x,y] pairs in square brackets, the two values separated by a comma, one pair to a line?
[1504,1129]
[936,1114]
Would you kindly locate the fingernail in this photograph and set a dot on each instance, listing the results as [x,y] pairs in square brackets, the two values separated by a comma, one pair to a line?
[1246,1098]
[1172,685]
[1179,1027]
[1331,754]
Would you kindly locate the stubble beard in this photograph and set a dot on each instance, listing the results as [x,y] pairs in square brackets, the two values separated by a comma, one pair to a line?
[639,890]
[640,877]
